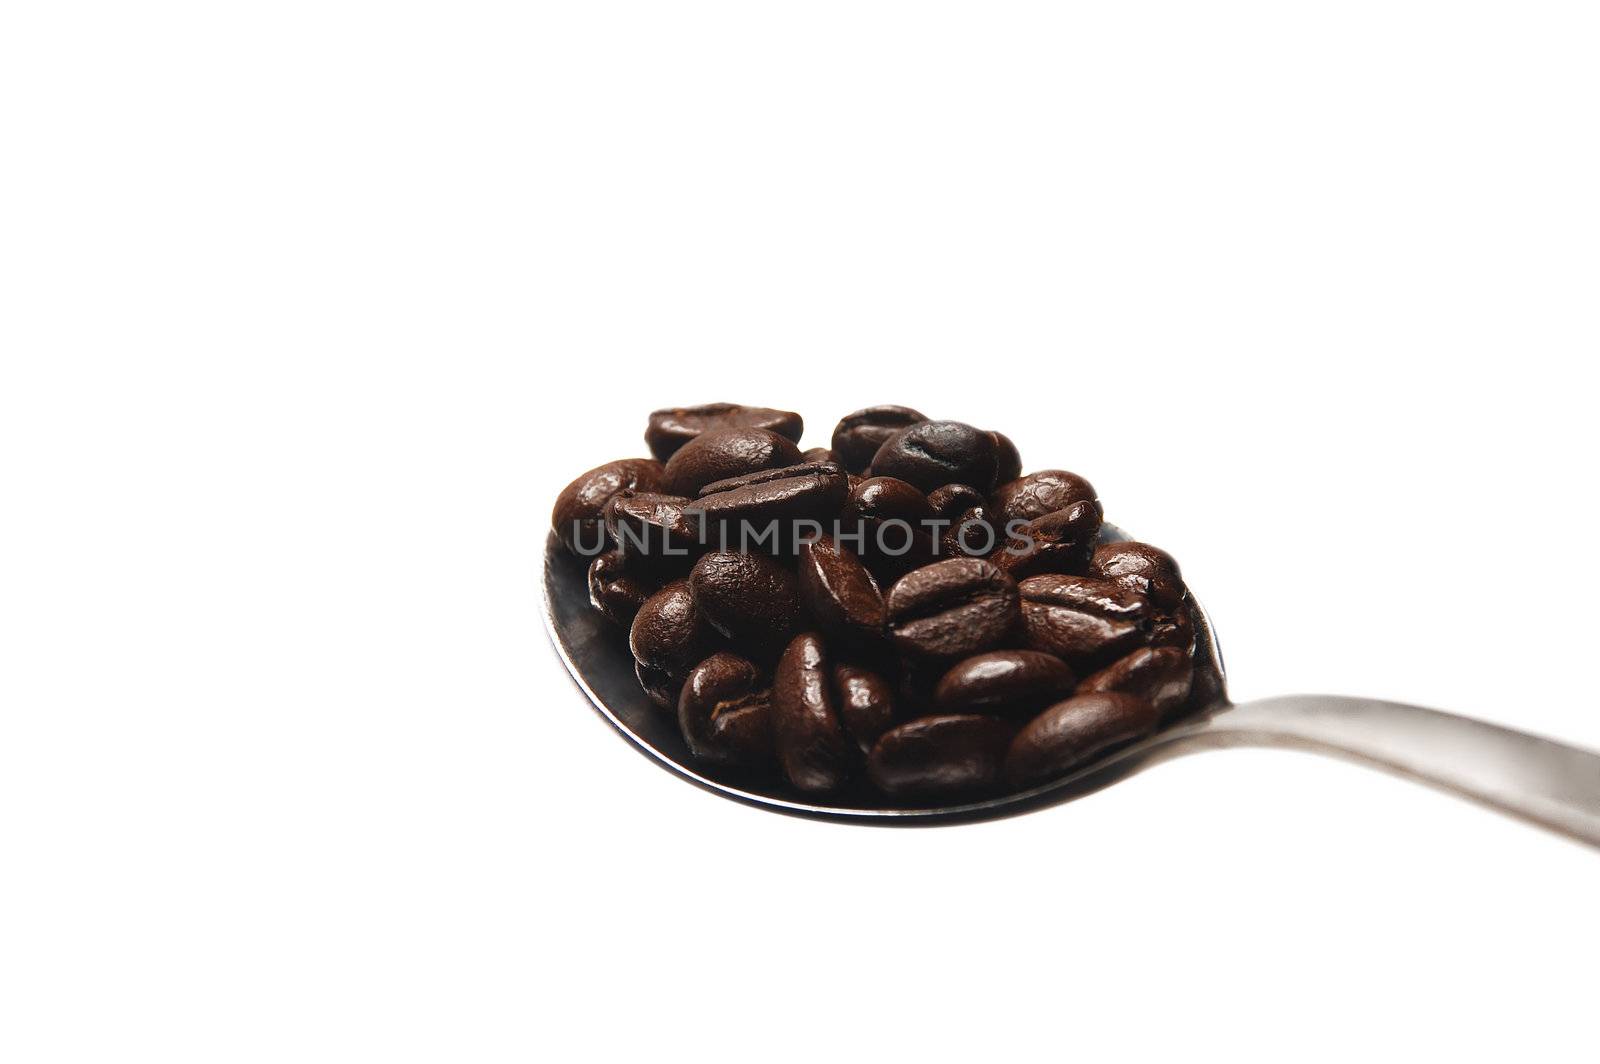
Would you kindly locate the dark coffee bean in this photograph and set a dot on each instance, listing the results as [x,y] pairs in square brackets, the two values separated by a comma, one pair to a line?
[887,522]
[1142,568]
[820,454]
[858,436]
[1059,542]
[669,430]
[970,535]
[809,738]
[725,712]
[952,609]
[1007,460]
[774,509]
[581,504]
[724,453]
[1175,627]
[662,686]
[935,453]
[840,594]
[952,500]
[866,703]
[655,533]
[1037,494]
[937,757]
[1008,682]
[1087,621]
[1159,675]
[668,638]
[752,599]
[614,590]
[1073,732]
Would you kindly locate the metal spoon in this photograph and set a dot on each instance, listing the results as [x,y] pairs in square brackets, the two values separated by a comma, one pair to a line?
[1535,779]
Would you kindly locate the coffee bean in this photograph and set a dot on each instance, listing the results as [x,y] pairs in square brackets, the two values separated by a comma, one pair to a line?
[661,685]
[952,500]
[940,757]
[1175,627]
[952,609]
[1140,567]
[1073,732]
[655,533]
[970,535]
[858,436]
[669,637]
[723,453]
[1088,622]
[935,453]
[579,508]
[809,738]
[887,522]
[670,429]
[1159,675]
[760,511]
[1008,682]
[1037,494]
[866,703]
[725,712]
[1008,462]
[751,599]
[840,594]
[1059,542]
[614,590]
[820,454]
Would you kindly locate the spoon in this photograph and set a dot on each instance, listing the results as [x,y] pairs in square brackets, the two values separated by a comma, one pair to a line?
[1555,786]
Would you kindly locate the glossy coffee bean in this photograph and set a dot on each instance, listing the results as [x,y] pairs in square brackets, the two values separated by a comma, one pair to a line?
[1174,627]
[887,522]
[941,756]
[970,535]
[866,703]
[753,600]
[858,436]
[581,505]
[1086,621]
[615,591]
[952,500]
[935,453]
[1007,460]
[760,511]
[1006,682]
[820,454]
[725,711]
[1037,494]
[952,609]
[1142,568]
[669,637]
[1161,676]
[656,533]
[723,453]
[661,685]
[812,747]
[840,594]
[670,429]
[1059,542]
[1072,733]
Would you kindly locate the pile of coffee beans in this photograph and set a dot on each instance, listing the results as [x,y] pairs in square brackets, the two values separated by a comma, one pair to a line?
[903,607]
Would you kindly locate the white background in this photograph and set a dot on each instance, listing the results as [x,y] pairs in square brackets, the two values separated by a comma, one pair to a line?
[309,309]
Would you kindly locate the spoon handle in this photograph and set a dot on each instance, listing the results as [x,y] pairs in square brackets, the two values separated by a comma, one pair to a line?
[1538,780]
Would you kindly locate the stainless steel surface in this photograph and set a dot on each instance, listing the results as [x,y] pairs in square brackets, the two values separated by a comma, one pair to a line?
[1525,776]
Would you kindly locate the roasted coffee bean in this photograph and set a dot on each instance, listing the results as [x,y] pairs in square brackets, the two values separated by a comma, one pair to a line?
[1142,568]
[820,454]
[887,522]
[669,637]
[1161,676]
[579,508]
[724,453]
[934,453]
[655,533]
[1059,542]
[725,711]
[937,757]
[808,736]
[662,686]
[952,609]
[1086,621]
[858,436]
[760,511]
[752,599]
[614,591]
[840,594]
[970,535]
[1006,682]
[866,703]
[1174,627]
[1073,732]
[669,430]
[1037,494]
[1007,460]
[952,500]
